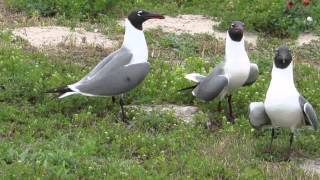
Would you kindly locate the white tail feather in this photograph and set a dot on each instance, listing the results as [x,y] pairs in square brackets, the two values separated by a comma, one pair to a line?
[196,77]
[67,94]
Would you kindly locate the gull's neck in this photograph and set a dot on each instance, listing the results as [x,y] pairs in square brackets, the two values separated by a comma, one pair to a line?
[135,41]
[282,77]
[235,51]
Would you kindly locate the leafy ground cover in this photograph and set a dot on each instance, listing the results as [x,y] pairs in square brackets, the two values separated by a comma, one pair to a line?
[82,138]
[278,18]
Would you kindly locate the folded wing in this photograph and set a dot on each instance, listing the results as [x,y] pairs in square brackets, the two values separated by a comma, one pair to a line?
[253,75]
[113,61]
[113,76]
[309,113]
[258,117]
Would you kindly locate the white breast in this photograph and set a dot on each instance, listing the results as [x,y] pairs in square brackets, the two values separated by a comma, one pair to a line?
[237,63]
[135,41]
[282,100]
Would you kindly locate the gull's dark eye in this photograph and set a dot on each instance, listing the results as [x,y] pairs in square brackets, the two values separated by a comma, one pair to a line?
[233,25]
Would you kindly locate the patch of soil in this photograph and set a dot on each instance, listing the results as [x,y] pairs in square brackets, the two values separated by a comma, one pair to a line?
[306,38]
[191,24]
[311,166]
[183,112]
[41,37]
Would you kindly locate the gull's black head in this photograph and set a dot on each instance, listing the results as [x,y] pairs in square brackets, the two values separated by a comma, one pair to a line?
[138,17]
[236,30]
[283,57]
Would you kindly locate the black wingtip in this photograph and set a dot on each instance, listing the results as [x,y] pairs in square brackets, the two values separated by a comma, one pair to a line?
[60,90]
[187,88]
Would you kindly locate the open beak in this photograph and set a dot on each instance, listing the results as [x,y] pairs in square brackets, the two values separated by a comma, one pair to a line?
[154,16]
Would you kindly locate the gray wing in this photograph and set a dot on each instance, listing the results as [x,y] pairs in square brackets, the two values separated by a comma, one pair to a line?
[211,86]
[258,117]
[217,70]
[253,75]
[309,113]
[115,82]
[115,60]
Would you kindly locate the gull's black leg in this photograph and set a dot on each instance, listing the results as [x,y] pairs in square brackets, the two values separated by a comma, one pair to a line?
[124,119]
[272,137]
[287,156]
[230,115]
[219,107]
[291,139]
[269,149]
[113,99]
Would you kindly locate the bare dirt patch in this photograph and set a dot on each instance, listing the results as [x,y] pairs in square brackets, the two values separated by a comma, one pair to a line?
[183,112]
[306,38]
[52,36]
[191,24]
[311,166]
[41,37]
[196,24]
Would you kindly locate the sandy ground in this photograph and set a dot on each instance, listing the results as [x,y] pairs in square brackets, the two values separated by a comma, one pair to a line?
[191,24]
[40,37]
[306,38]
[311,166]
[183,112]
[194,24]
[54,35]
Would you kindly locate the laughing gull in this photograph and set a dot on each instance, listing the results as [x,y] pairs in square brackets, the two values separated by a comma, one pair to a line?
[120,71]
[234,72]
[283,107]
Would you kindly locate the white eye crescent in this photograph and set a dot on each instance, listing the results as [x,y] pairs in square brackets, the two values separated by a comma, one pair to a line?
[233,25]
[139,13]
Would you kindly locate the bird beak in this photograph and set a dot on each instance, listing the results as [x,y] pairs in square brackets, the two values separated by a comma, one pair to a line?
[154,16]
[239,28]
[283,59]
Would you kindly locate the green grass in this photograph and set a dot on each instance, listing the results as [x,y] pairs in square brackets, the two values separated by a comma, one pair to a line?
[82,137]
[269,17]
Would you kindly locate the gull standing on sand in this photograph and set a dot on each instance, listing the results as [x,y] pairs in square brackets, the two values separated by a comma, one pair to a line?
[234,72]
[283,107]
[120,71]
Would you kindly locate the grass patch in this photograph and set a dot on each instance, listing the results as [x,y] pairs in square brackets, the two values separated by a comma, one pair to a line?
[270,17]
[80,137]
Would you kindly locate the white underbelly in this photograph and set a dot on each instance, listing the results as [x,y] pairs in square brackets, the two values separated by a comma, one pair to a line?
[237,76]
[283,111]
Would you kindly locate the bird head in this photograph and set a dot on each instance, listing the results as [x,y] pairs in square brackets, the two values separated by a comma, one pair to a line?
[236,30]
[283,57]
[137,18]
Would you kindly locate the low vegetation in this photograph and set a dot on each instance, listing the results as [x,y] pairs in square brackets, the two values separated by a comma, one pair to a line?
[274,17]
[42,137]
[82,136]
